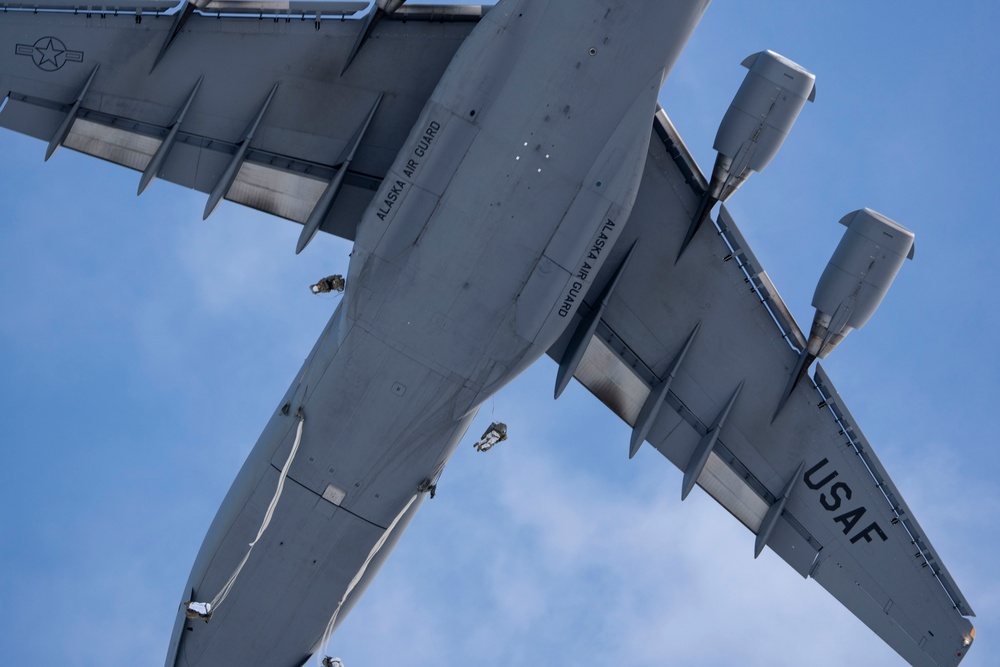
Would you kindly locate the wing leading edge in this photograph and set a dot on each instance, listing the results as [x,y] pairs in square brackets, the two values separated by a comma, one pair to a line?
[696,355]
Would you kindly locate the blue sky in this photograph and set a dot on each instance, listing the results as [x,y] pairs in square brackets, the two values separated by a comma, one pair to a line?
[142,350]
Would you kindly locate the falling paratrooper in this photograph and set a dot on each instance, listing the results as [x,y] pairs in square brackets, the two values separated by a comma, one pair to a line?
[334,283]
[496,433]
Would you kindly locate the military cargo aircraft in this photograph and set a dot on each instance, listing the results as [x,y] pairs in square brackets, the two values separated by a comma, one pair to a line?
[513,192]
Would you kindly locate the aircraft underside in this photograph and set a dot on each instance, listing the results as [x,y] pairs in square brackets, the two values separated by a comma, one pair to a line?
[468,265]
[512,189]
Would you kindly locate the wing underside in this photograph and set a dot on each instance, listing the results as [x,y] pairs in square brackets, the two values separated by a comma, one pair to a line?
[699,353]
[87,81]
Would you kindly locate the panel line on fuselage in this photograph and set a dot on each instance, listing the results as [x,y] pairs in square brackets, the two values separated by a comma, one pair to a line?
[339,507]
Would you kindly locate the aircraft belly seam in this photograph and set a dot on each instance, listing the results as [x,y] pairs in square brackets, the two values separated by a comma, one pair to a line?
[320,497]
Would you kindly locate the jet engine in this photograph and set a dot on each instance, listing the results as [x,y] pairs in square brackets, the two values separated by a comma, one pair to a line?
[757,122]
[857,277]
[754,127]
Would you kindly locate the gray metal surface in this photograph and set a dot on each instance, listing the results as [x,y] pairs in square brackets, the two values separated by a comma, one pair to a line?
[863,266]
[865,453]
[458,281]
[284,7]
[128,109]
[95,7]
[850,538]
[490,203]
[764,110]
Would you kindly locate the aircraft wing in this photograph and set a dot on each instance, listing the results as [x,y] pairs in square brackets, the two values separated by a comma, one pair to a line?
[85,79]
[808,484]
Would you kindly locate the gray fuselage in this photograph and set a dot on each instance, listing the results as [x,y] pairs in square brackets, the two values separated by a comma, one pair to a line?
[471,260]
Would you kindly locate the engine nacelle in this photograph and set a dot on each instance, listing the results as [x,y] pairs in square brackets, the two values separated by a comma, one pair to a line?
[857,277]
[757,122]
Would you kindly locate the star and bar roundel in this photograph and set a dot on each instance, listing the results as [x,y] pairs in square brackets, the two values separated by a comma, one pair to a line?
[49,53]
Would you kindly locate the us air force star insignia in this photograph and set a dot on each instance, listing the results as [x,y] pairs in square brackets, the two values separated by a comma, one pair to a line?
[49,53]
